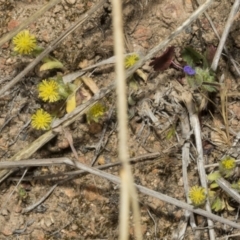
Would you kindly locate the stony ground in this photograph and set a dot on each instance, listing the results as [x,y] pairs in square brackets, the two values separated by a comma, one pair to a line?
[87,206]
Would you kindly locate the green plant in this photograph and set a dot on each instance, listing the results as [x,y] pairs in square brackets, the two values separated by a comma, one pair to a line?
[197,70]
[96,112]
[218,198]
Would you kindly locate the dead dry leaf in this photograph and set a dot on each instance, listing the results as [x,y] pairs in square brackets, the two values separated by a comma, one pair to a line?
[90,84]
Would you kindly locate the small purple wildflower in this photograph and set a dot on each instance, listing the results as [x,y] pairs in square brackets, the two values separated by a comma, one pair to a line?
[189,70]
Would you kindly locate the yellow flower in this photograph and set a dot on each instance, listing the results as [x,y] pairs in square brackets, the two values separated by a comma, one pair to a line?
[130,60]
[95,112]
[41,120]
[49,90]
[197,195]
[24,42]
[228,163]
[227,166]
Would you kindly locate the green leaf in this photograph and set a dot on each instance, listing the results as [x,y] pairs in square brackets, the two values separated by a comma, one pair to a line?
[194,81]
[171,133]
[214,185]
[205,77]
[51,65]
[236,186]
[217,205]
[214,176]
[191,56]
[37,50]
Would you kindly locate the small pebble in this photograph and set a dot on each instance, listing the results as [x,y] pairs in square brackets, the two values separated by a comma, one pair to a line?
[17,209]
[74,227]
[4,212]
[71,2]
[101,160]
[48,222]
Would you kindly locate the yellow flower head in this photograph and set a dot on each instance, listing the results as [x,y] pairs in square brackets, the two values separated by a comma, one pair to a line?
[49,90]
[41,120]
[130,60]
[197,195]
[24,42]
[227,166]
[95,112]
[228,163]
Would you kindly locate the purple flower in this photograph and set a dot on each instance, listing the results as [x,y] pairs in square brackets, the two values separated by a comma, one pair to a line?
[189,70]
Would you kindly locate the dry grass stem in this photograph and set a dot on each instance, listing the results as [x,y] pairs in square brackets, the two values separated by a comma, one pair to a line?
[30,208]
[185,127]
[228,25]
[224,47]
[128,191]
[194,120]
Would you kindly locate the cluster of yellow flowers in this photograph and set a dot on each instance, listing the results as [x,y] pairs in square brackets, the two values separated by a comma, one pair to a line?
[52,90]
[49,90]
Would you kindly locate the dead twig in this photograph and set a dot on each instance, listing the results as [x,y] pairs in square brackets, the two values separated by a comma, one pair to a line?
[64,160]
[31,207]
[101,144]
[194,120]
[224,47]
[186,133]
[221,44]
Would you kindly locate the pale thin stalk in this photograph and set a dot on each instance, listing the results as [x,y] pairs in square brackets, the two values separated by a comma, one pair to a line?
[185,127]
[226,186]
[194,120]
[127,182]
[224,47]
[124,206]
[56,161]
[230,20]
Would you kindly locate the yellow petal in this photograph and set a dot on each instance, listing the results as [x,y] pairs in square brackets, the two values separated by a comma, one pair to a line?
[71,103]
